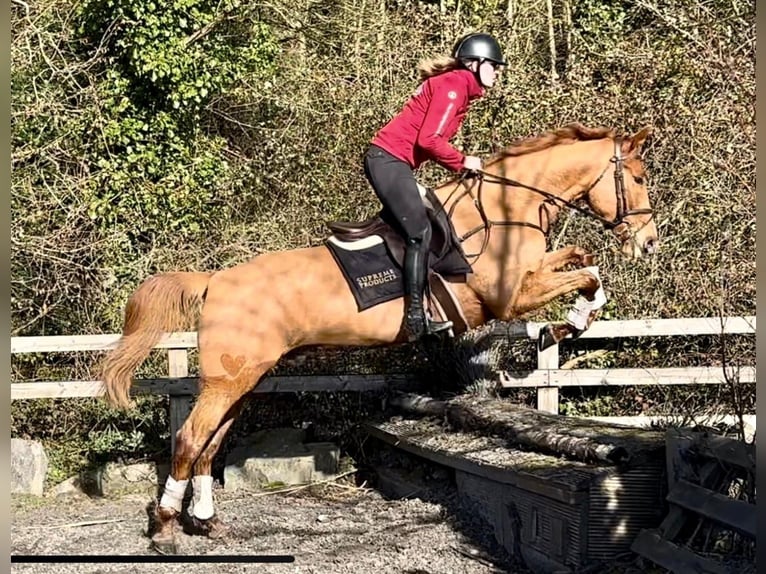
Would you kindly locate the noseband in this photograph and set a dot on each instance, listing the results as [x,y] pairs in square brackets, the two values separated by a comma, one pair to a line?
[550,199]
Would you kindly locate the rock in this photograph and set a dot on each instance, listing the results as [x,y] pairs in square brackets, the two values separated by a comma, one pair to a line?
[114,479]
[279,457]
[29,466]
[70,487]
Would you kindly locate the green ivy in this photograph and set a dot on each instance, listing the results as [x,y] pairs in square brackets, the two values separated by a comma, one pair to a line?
[162,66]
[603,24]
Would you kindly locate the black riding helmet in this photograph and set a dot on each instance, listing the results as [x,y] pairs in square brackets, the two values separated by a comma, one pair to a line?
[478,46]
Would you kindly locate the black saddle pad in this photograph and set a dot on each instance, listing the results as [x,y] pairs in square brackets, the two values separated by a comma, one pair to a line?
[371,273]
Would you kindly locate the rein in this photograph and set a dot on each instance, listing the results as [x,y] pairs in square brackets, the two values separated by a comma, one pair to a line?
[481,176]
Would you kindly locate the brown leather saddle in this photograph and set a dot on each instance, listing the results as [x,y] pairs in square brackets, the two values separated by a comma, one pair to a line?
[446,253]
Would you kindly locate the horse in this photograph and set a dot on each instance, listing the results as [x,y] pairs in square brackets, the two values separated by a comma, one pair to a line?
[250,315]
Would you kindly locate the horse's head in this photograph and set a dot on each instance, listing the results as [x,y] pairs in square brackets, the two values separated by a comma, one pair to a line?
[622,200]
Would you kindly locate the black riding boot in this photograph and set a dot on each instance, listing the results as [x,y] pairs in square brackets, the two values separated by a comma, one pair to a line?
[415,272]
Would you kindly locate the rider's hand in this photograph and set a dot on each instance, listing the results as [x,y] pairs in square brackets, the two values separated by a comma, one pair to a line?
[472,163]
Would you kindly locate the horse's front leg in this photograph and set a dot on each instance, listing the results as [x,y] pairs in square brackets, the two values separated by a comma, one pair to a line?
[539,288]
[569,255]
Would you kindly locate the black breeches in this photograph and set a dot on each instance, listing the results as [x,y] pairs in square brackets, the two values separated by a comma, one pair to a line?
[394,184]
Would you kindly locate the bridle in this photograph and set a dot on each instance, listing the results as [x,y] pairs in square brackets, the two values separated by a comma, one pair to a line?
[479,177]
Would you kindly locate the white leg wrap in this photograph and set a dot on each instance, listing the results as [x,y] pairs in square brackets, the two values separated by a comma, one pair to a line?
[581,310]
[173,495]
[202,499]
[600,299]
[579,313]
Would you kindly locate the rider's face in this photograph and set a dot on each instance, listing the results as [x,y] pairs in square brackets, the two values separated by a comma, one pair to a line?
[488,73]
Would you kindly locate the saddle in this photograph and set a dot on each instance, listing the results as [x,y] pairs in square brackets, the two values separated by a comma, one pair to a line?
[446,255]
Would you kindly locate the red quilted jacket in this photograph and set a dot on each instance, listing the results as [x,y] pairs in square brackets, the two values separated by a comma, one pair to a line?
[429,119]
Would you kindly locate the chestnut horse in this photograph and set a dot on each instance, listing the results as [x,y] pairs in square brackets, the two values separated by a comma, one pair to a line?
[252,314]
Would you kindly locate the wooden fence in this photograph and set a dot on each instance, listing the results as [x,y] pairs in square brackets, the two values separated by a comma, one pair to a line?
[547,378]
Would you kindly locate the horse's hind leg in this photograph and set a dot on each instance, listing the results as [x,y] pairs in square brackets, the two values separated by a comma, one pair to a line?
[204,519]
[217,400]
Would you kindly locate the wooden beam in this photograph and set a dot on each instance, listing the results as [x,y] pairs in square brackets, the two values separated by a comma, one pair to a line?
[188,386]
[289,384]
[67,343]
[735,514]
[676,419]
[677,559]
[83,389]
[516,330]
[677,516]
[692,326]
[180,405]
[309,383]
[548,396]
[726,449]
[629,377]
[486,470]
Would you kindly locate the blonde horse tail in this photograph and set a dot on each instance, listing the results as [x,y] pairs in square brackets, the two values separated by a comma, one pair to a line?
[162,303]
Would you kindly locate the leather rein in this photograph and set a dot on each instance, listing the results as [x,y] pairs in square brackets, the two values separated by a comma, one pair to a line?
[550,199]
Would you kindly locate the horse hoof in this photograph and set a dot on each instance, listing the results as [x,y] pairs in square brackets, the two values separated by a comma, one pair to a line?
[218,529]
[213,527]
[576,333]
[164,545]
[546,338]
[162,526]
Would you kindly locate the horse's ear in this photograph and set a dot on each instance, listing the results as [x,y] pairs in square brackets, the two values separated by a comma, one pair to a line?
[638,139]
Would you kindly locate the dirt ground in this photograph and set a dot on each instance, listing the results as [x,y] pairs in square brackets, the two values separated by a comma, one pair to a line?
[352,525]
[342,527]
[334,528]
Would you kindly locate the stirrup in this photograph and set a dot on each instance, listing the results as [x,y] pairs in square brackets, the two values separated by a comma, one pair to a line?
[424,327]
[434,327]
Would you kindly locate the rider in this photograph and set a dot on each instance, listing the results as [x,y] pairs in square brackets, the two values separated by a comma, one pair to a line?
[421,131]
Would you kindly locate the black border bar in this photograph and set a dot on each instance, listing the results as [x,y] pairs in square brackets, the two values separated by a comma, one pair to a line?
[150,558]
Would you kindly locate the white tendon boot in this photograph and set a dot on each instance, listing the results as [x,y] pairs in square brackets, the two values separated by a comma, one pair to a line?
[173,495]
[580,312]
[201,505]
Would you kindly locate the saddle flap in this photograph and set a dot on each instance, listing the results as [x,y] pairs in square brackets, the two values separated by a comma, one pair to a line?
[444,305]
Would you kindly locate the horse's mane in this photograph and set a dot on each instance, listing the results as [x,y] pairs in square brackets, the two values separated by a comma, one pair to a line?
[569,133]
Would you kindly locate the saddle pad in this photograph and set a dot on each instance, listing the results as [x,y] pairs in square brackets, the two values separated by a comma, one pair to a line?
[370,272]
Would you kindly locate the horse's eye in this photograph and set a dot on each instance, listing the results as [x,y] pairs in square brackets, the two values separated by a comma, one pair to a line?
[639,180]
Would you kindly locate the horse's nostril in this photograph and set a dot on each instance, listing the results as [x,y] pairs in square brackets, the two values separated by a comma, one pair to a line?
[651,245]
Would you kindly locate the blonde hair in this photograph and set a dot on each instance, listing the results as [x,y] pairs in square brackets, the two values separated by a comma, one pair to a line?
[435,66]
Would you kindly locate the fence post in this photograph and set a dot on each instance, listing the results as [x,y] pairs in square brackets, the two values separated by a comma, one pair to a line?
[180,405]
[548,397]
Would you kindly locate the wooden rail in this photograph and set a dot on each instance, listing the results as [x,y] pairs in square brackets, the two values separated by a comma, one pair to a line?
[547,378]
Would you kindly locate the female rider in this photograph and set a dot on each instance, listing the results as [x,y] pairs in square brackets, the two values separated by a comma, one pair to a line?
[420,132]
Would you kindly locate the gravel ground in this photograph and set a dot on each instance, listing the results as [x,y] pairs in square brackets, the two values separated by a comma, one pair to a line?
[334,528]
